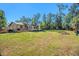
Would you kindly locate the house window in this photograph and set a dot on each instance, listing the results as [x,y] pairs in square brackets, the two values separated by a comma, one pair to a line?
[18,29]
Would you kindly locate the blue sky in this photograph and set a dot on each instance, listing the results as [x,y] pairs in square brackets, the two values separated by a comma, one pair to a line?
[13,11]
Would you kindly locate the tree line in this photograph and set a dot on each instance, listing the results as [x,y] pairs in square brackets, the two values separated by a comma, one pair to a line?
[58,21]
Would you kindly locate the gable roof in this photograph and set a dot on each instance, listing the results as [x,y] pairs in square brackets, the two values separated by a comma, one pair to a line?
[19,23]
[11,23]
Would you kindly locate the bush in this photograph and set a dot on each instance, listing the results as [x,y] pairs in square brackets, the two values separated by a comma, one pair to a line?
[3,31]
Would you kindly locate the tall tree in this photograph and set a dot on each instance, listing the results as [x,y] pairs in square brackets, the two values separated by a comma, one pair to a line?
[67,21]
[60,15]
[35,19]
[43,22]
[2,19]
[49,20]
[25,20]
[74,11]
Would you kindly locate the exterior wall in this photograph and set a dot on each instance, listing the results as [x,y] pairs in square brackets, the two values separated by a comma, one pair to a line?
[22,27]
[12,27]
[16,27]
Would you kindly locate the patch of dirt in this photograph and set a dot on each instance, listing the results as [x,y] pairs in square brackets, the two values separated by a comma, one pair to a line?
[65,33]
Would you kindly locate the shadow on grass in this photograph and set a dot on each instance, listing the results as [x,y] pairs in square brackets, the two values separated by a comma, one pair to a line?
[37,31]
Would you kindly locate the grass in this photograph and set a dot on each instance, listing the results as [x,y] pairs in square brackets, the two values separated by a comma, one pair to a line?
[39,43]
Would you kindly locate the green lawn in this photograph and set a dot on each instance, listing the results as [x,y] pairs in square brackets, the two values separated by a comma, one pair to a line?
[39,43]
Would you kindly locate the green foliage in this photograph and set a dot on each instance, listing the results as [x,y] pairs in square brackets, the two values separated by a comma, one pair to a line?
[74,9]
[74,21]
[2,19]
[42,25]
[72,17]
[1,13]
[44,22]
[49,20]
[25,20]
[67,21]
[58,22]
[60,15]
[35,19]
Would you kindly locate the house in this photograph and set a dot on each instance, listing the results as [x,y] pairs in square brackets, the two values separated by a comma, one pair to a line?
[14,27]
[17,27]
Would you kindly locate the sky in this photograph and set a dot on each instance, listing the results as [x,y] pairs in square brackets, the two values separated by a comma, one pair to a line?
[14,11]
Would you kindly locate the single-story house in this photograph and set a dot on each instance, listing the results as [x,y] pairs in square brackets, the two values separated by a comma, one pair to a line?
[21,27]
[16,27]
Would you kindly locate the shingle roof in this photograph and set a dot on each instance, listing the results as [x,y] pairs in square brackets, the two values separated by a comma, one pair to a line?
[19,23]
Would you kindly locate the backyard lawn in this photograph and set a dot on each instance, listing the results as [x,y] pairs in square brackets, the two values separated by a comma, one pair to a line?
[51,43]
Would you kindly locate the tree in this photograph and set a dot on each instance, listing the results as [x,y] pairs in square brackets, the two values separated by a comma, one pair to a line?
[35,22]
[35,19]
[43,22]
[74,22]
[74,12]
[49,20]
[60,15]
[58,22]
[25,20]
[67,21]
[2,19]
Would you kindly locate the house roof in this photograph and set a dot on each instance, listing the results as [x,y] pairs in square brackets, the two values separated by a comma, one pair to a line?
[19,23]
